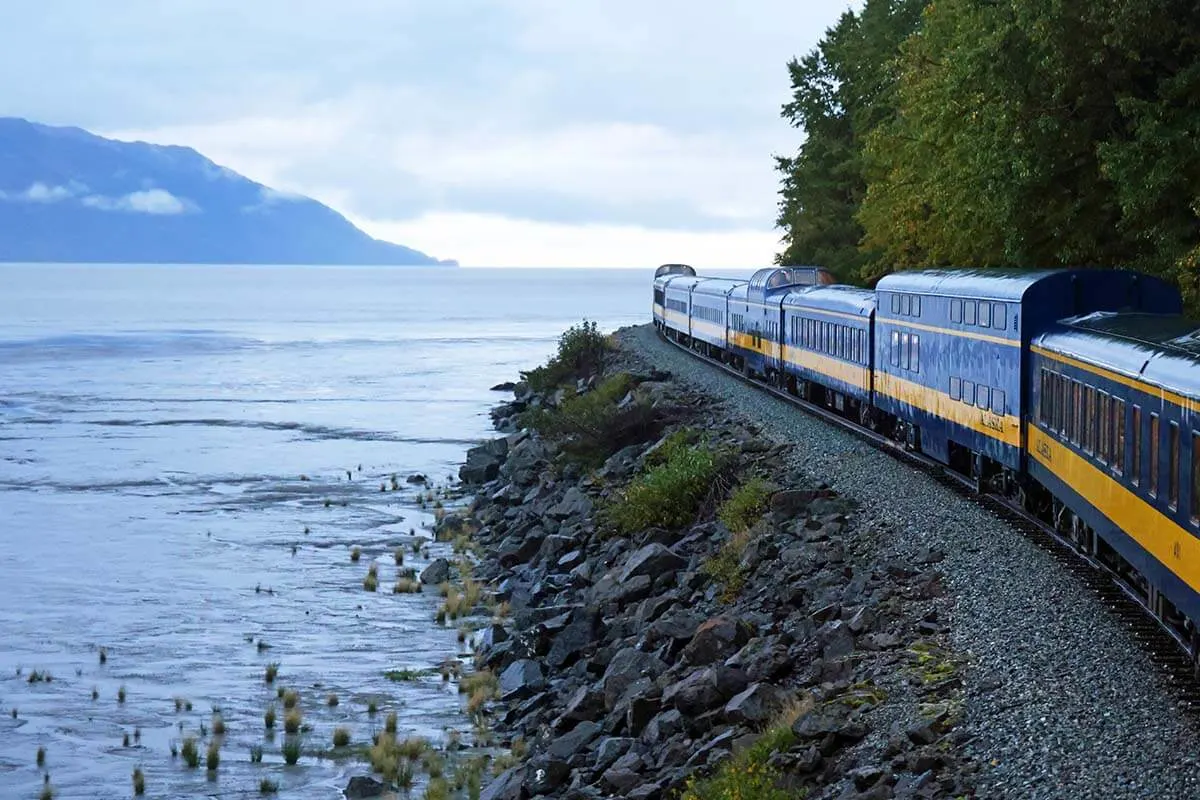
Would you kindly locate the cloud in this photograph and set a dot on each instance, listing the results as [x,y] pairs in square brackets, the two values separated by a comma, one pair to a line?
[487,240]
[150,201]
[613,113]
[39,192]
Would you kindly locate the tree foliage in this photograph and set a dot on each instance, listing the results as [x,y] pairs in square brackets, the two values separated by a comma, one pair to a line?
[1002,133]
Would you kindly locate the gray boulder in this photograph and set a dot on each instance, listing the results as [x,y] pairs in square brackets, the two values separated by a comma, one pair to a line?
[652,561]
[437,572]
[626,667]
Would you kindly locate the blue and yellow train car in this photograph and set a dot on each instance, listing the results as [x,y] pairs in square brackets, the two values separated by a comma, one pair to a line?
[756,316]
[663,276]
[1116,439]
[710,314]
[950,345]
[827,345]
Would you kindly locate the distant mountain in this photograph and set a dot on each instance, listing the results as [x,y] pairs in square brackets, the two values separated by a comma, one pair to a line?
[67,195]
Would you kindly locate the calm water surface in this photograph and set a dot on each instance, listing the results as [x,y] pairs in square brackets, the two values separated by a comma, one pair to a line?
[155,425]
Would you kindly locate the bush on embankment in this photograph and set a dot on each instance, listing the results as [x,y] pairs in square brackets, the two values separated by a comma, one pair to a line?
[668,494]
[591,426]
[582,350]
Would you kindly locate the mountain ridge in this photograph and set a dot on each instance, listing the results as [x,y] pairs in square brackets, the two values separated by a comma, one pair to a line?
[68,195]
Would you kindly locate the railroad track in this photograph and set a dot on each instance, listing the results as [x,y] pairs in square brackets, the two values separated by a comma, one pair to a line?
[1162,644]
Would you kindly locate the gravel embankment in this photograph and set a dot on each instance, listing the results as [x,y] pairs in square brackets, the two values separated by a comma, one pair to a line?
[1062,702]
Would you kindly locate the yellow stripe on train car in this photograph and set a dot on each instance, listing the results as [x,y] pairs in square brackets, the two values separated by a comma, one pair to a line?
[1002,427]
[745,341]
[844,371]
[1169,543]
[983,337]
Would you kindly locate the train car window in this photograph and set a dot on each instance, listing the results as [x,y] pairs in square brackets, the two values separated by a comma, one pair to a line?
[1000,316]
[1089,421]
[1044,399]
[1154,455]
[865,346]
[1061,401]
[998,401]
[905,353]
[917,306]
[906,305]
[968,389]
[895,355]
[1118,413]
[969,312]
[916,352]
[895,303]
[956,310]
[983,397]
[1102,420]
[1068,423]
[1077,413]
[1056,402]
[985,314]
[1173,465]
[955,389]
[1135,461]
[1195,478]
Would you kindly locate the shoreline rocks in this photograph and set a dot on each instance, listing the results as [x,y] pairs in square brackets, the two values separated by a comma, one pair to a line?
[633,662]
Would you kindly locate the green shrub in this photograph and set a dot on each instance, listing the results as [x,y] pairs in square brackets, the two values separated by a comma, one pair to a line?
[590,427]
[746,505]
[669,495]
[725,566]
[671,446]
[748,774]
[581,352]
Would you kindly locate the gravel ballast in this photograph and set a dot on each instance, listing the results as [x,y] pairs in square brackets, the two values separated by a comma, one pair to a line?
[1062,701]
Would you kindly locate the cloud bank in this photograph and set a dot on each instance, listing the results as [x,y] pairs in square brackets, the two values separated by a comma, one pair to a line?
[654,122]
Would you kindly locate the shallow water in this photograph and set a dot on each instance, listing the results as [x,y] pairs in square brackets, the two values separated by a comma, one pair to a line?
[157,425]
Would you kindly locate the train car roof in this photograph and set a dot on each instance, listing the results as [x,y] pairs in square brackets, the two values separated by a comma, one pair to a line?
[718,287]
[989,284]
[683,283]
[840,298]
[1160,349]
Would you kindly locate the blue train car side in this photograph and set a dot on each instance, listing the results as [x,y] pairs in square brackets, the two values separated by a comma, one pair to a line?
[756,316]
[827,345]
[1115,440]
[950,351]
[663,276]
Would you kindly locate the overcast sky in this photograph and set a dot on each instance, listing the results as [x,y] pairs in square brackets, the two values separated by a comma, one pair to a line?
[501,132]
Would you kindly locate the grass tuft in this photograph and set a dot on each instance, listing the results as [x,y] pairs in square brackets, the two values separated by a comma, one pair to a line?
[291,750]
[291,721]
[745,505]
[41,756]
[267,786]
[331,700]
[256,754]
[269,717]
[271,671]
[212,759]
[139,781]
[218,725]
[290,699]
[406,586]
[190,752]
[371,582]
[355,553]
[121,694]
[341,737]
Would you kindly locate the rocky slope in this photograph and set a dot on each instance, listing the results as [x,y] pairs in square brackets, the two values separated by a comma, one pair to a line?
[806,653]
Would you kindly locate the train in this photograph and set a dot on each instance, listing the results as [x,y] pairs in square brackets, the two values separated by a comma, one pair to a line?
[1072,393]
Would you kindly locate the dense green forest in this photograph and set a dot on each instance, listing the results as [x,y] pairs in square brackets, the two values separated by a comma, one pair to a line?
[998,133]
